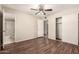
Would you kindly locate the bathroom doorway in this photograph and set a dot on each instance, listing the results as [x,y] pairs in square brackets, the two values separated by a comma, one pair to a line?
[9,31]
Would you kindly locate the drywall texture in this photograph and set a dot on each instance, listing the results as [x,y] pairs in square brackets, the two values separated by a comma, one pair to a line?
[69,25]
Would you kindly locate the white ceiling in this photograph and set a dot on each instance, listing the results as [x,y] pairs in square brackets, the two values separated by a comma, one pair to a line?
[26,7]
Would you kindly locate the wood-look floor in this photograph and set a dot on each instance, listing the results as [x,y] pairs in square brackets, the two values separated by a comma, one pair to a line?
[41,46]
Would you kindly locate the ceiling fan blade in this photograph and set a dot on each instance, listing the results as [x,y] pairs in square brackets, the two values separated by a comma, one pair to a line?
[34,9]
[37,13]
[48,10]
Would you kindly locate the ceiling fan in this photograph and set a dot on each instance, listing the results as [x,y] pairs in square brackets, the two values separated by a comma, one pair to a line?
[41,9]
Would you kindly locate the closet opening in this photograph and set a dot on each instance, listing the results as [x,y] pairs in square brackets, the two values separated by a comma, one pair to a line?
[59,28]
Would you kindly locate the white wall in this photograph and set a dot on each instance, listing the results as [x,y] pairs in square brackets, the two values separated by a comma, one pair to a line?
[70,28]
[70,25]
[40,28]
[25,25]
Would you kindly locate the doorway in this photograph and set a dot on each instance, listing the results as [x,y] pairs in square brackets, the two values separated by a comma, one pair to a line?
[59,28]
[9,31]
[46,28]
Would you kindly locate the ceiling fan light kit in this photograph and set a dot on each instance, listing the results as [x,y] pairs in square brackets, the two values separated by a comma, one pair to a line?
[41,9]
